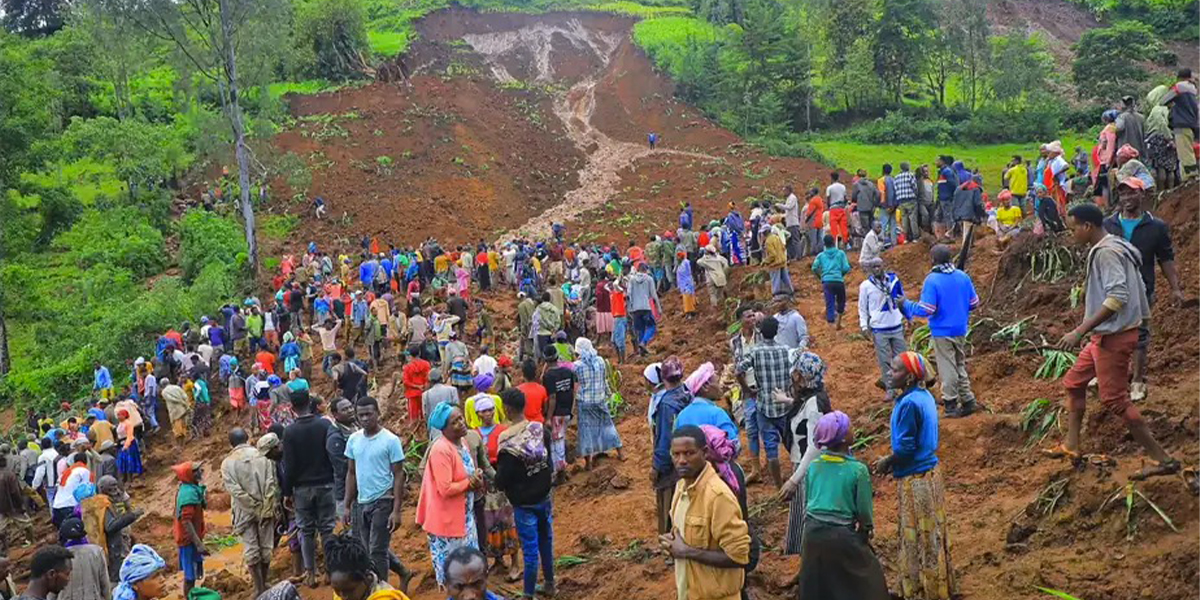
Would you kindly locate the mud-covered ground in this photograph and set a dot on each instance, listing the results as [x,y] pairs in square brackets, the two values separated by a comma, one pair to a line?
[513,121]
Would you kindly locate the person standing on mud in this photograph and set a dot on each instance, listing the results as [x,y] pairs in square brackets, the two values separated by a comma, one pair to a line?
[775,261]
[772,381]
[924,565]
[947,299]
[791,215]
[880,298]
[712,550]
[1152,237]
[1115,306]
[642,297]
[308,480]
[249,477]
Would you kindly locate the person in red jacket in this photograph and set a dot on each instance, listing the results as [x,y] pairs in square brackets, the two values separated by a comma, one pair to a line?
[415,376]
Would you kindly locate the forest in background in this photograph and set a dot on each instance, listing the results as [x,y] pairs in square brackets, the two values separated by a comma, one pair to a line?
[115,110]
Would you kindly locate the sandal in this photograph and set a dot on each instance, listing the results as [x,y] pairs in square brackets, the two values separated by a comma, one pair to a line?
[1167,467]
[1060,451]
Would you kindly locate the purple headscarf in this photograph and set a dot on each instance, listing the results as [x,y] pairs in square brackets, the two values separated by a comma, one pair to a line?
[721,451]
[832,429]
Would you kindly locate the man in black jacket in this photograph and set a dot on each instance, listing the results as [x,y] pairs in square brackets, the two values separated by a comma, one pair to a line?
[523,473]
[308,480]
[1152,237]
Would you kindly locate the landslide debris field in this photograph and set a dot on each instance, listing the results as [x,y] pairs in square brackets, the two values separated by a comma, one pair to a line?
[510,122]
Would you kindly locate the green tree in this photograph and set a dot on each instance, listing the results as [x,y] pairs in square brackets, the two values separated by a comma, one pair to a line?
[1019,66]
[28,99]
[1107,60]
[939,65]
[846,38]
[145,155]
[332,38]
[905,31]
[969,34]
[33,18]
[720,12]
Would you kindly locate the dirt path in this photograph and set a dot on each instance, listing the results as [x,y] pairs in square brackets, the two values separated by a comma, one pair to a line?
[606,157]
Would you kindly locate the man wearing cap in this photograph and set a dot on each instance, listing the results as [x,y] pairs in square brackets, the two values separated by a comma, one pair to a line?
[1152,237]
[249,477]
[437,393]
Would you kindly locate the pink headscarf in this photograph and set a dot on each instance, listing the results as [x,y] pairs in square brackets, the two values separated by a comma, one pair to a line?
[721,451]
[1127,152]
[699,377]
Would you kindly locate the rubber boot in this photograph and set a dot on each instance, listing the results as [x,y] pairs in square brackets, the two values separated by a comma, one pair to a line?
[773,469]
[964,409]
[258,576]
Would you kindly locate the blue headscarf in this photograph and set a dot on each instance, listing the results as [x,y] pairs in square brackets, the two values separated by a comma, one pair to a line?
[141,563]
[440,416]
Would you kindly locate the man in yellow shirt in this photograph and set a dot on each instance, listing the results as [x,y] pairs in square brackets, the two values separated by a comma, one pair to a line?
[709,539]
[1016,177]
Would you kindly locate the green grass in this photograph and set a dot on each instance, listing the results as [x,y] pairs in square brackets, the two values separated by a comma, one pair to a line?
[634,9]
[278,226]
[664,38]
[990,159]
[88,179]
[388,43]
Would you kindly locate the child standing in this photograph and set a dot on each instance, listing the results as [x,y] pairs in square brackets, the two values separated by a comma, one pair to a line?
[189,522]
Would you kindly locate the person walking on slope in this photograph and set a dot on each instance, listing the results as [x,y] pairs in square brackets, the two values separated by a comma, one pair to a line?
[924,565]
[642,297]
[907,193]
[1115,305]
[772,380]
[947,299]
[687,286]
[791,213]
[831,266]
[775,261]
[716,275]
[881,315]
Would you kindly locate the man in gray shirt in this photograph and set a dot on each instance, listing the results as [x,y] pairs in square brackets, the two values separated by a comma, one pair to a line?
[791,220]
[641,291]
[438,392]
[793,331]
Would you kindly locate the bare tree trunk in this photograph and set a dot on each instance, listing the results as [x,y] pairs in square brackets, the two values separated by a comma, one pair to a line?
[239,134]
[5,362]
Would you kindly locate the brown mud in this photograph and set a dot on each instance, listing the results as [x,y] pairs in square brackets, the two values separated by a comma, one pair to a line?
[507,117]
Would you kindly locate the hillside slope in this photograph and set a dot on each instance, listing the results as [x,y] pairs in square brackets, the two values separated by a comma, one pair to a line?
[513,121]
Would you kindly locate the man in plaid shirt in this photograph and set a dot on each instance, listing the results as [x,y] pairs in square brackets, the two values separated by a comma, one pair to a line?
[772,379]
[906,201]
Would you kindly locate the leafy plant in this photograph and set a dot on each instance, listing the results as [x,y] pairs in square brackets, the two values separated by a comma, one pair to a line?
[568,561]
[1038,419]
[1055,365]
[1051,495]
[1052,264]
[1076,296]
[1056,593]
[1131,495]
[921,341]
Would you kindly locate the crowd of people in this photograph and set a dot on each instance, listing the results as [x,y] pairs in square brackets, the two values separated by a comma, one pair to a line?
[492,428]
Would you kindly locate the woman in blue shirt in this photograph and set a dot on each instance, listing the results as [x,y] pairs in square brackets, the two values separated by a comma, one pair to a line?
[925,570]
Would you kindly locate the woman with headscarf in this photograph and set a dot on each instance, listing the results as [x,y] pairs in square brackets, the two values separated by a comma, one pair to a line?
[597,432]
[1129,166]
[1055,175]
[812,401]
[838,561]
[448,488]
[1160,141]
[499,524]
[705,387]
[289,352]
[142,575]
[666,404]
[721,452]
[483,387]
[924,565]
[456,355]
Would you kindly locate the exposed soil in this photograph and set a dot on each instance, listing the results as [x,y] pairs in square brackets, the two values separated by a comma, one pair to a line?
[557,106]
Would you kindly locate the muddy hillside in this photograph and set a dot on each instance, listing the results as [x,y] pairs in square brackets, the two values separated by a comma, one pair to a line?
[511,122]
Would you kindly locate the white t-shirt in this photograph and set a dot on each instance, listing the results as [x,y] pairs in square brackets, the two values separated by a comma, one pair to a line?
[836,193]
[485,364]
[65,496]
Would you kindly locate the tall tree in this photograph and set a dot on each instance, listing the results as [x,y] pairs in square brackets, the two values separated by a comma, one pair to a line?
[210,34]
[905,30]
[1107,60]
[846,47]
[1019,66]
[33,18]
[969,35]
[939,65]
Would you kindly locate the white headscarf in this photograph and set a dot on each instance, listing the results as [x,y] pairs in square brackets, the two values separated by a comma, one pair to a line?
[585,349]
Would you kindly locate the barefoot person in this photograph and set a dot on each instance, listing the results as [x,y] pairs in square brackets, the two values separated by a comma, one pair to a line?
[1114,307]
[597,432]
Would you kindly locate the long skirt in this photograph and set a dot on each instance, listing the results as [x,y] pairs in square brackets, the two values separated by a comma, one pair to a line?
[793,539]
[839,565]
[202,418]
[597,432]
[558,442]
[604,322]
[129,460]
[499,524]
[441,547]
[1160,152]
[925,569]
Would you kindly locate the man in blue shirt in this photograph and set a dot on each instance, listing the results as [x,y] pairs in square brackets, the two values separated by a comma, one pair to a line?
[375,487]
[947,299]
[102,381]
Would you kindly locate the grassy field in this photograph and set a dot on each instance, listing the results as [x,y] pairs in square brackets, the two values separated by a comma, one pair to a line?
[990,159]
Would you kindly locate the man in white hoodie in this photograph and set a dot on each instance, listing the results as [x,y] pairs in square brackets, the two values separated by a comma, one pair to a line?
[880,314]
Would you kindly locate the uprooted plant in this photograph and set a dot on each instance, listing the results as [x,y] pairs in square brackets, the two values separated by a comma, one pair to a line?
[1131,495]
[1038,419]
[1052,264]
[1056,363]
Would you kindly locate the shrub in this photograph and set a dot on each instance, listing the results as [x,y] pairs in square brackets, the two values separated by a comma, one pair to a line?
[121,237]
[205,238]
